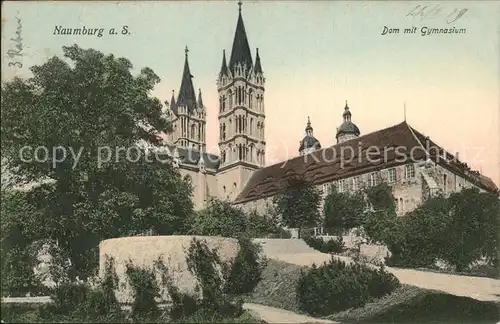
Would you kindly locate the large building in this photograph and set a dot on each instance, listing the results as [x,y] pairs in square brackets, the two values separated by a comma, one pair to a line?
[409,161]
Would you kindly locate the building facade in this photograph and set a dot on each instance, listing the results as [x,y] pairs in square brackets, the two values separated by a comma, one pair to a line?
[239,173]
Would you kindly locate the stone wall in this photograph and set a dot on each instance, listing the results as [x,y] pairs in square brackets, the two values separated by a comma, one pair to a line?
[143,251]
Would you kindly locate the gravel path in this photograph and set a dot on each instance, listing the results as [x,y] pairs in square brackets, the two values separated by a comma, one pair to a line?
[297,252]
[278,315]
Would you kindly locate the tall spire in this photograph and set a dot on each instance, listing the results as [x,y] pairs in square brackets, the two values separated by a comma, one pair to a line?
[187,96]
[223,69]
[240,52]
[200,100]
[258,66]
[173,106]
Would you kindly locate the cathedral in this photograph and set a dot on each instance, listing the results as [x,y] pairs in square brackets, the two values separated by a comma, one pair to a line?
[239,173]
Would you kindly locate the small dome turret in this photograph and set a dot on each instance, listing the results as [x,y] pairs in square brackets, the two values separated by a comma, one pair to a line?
[347,130]
[309,143]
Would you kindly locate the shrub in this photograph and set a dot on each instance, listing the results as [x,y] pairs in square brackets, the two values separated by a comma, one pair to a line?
[69,297]
[145,290]
[329,246]
[219,282]
[336,286]
[246,269]
[262,226]
[183,305]
[219,218]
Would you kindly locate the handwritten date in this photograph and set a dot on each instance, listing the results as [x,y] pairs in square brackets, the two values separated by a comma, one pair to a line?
[436,11]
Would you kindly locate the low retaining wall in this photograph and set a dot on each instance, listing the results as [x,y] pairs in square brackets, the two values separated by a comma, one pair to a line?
[143,251]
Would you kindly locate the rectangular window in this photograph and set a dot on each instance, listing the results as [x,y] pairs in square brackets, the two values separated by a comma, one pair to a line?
[325,189]
[410,171]
[341,185]
[355,183]
[445,182]
[391,175]
[372,179]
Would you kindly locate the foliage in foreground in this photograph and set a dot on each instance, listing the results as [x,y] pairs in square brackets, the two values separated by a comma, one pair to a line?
[89,112]
[329,246]
[337,286]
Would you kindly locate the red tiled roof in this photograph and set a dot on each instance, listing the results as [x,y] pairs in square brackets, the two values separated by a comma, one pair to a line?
[347,159]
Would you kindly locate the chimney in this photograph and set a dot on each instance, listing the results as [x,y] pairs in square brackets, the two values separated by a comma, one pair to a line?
[457,157]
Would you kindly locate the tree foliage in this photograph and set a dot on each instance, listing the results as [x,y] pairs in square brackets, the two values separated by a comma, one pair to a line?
[93,105]
[460,229]
[219,218]
[343,211]
[298,204]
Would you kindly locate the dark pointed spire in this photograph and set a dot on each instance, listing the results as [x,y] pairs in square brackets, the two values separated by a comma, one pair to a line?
[173,106]
[224,70]
[187,96]
[240,52]
[309,129]
[347,113]
[258,66]
[200,100]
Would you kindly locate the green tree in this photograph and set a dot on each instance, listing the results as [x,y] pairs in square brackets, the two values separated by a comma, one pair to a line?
[343,211]
[219,218]
[114,187]
[468,225]
[298,204]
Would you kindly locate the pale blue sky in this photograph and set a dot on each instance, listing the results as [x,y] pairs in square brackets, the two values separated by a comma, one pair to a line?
[315,55]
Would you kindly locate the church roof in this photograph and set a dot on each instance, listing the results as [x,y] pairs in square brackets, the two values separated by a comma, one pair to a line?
[192,157]
[325,165]
[187,96]
[240,52]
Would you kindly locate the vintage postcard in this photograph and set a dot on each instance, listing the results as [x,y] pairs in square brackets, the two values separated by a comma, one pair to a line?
[366,130]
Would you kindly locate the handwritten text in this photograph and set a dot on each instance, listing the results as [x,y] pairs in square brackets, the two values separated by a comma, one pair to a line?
[15,53]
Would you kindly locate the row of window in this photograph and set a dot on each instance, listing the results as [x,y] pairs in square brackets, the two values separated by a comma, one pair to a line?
[241,97]
[373,178]
[241,126]
[244,153]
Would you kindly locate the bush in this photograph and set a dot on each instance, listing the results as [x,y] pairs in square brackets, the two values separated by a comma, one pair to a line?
[219,282]
[329,246]
[336,286]
[246,269]
[145,290]
[219,218]
[69,297]
[261,226]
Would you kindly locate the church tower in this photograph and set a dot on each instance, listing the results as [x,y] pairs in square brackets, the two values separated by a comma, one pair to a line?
[241,115]
[188,114]
[347,130]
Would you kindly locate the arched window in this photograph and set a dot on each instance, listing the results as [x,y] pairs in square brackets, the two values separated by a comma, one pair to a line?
[250,99]
[230,93]
[401,204]
[251,126]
